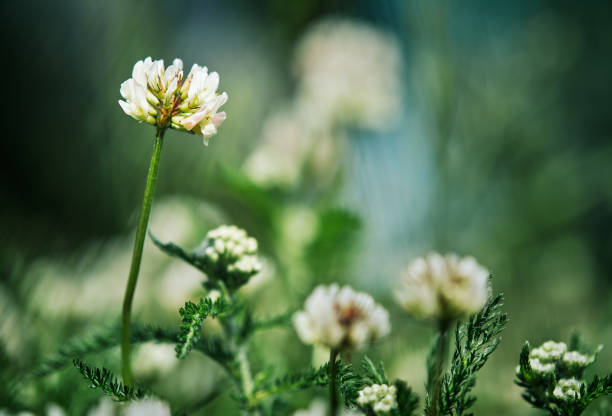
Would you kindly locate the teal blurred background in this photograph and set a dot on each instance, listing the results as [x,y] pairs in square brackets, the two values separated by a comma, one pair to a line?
[359,135]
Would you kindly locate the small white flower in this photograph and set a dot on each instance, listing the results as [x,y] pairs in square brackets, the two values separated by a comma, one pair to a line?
[574,358]
[229,253]
[340,318]
[541,368]
[443,287]
[567,389]
[163,97]
[381,397]
[549,351]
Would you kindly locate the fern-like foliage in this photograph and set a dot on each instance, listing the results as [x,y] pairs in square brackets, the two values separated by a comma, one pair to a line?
[266,386]
[104,380]
[193,315]
[539,387]
[475,341]
[102,339]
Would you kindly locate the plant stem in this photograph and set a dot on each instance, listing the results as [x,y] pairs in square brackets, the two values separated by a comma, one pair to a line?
[441,353]
[333,388]
[245,372]
[141,233]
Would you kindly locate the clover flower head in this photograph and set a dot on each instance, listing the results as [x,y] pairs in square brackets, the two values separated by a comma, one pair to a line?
[443,287]
[567,389]
[229,254]
[165,98]
[381,397]
[340,318]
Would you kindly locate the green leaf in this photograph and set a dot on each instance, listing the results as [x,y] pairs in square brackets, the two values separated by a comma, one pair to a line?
[407,400]
[192,317]
[104,380]
[475,341]
[376,373]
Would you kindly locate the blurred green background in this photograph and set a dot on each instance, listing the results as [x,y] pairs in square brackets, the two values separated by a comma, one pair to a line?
[476,127]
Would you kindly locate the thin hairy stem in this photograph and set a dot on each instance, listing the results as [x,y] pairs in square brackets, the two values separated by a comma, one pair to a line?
[141,233]
[440,358]
[333,383]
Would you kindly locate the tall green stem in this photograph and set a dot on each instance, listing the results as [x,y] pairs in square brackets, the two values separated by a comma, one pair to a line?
[141,233]
[440,357]
[333,387]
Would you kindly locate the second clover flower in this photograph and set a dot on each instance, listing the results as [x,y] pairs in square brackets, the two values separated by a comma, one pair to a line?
[165,98]
[340,318]
[443,288]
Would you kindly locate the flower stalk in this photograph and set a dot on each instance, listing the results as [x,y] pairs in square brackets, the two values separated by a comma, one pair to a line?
[333,387]
[141,233]
[441,351]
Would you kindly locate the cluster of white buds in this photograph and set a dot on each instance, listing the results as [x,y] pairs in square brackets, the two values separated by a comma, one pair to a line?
[443,287]
[163,97]
[543,359]
[228,253]
[554,357]
[567,389]
[381,397]
[340,318]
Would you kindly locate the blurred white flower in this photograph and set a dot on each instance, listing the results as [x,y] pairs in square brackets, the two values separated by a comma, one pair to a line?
[162,97]
[443,287]
[340,318]
[349,71]
[567,389]
[381,397]
[147,407]
[290,146]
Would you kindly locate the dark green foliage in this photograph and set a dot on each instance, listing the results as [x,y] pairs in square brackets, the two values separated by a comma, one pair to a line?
[475,341]
[104,380]
[407,400]
[103,339]
[538,387]
[267,387]
[100,340]
[192,317]
[376,373]
[349,383]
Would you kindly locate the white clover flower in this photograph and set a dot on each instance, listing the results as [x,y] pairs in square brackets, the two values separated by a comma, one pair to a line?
[340,318]
[549,351]
[164,98]
[229,254]
[349,71]
[381,397]
[443,287]
[567,389]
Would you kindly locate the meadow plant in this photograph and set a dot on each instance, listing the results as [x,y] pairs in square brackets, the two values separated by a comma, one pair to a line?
[451,293]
